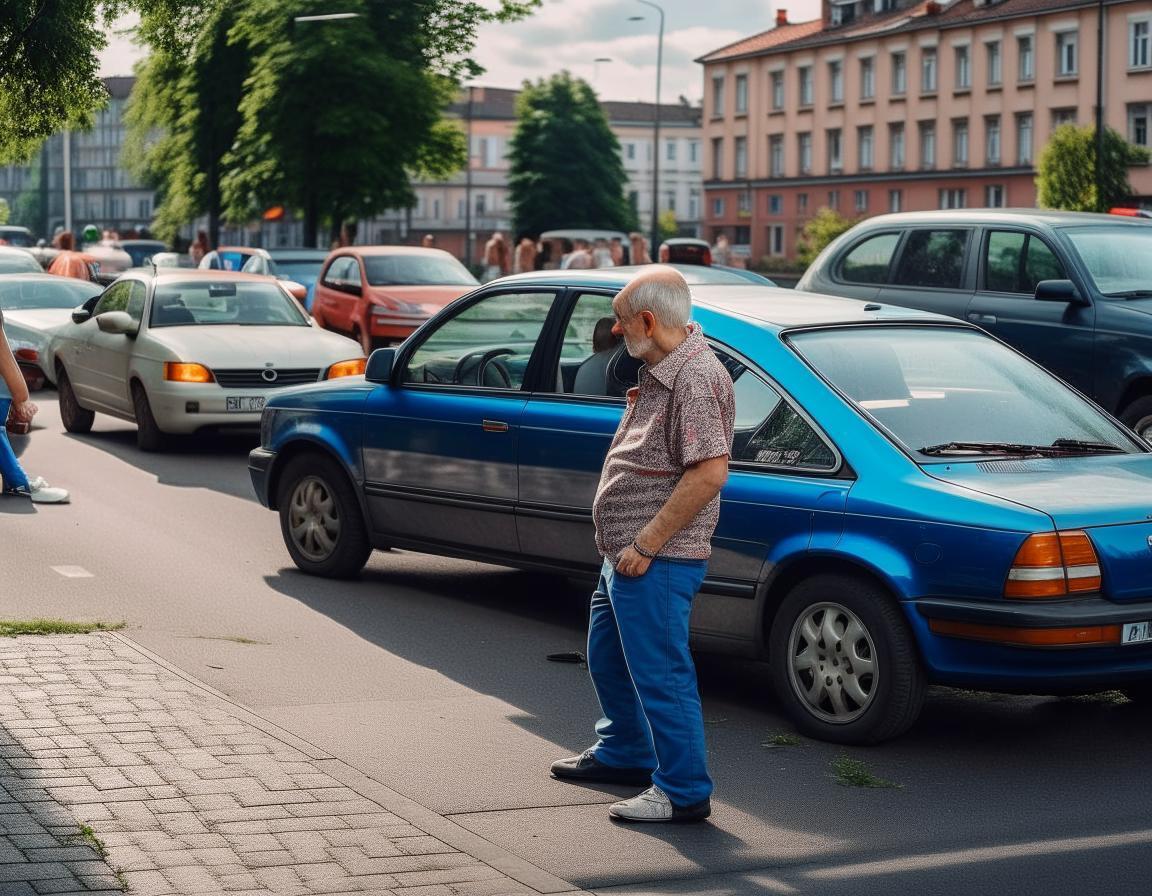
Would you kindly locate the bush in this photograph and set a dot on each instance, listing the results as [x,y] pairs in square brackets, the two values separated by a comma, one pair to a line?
[819,231]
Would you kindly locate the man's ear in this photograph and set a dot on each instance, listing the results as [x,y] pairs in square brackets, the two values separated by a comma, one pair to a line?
[649,322]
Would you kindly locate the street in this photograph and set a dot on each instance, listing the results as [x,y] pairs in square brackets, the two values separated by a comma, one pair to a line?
[431,676]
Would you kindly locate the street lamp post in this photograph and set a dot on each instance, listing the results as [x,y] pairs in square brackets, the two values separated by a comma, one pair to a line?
[1099,170]
[468,248]
[656,128]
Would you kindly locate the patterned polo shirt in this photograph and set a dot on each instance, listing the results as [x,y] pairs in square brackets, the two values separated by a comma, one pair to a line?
[681,413]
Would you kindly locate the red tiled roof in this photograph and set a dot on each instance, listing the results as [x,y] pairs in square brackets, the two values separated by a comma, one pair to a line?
[765,40]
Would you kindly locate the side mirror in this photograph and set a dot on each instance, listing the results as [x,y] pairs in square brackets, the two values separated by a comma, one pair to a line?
[379,369]
[116,322]
[1059,291]
[80,314]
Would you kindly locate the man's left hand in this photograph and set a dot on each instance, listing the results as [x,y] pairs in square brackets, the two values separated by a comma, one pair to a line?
[632,563]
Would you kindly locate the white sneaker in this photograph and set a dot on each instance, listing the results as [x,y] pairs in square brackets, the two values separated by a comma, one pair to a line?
[653,805]
[42,493]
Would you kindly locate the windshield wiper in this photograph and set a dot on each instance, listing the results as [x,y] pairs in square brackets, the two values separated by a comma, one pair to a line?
[1060,446]
[1081,445]
[1130,294]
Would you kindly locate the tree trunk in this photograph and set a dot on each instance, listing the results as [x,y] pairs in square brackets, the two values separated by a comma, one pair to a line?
[311,220]
[213,207]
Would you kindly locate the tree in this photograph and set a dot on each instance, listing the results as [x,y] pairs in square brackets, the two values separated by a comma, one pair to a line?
[1066,172]
[668,224]
[565,166]
[819,231]
[5,211]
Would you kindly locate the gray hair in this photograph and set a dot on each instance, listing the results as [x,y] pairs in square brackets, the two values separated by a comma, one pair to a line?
[667,296]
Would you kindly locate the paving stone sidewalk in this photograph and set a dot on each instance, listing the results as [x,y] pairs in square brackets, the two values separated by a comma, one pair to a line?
[117,774]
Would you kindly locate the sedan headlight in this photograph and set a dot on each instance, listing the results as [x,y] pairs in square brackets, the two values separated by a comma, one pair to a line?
[179,372]
[351,367]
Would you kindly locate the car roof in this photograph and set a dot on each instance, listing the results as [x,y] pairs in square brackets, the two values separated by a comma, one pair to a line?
[583,233]
[298,252]
[770,307]
[684,241]
[391,250]
[184,275]
[1049,217]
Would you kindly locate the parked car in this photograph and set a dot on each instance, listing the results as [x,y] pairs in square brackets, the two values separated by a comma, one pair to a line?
[697,274]
[380,294]
[18,261]
[14,235]
[910,501]
[1072,291]
[178,351]
[251,260]
[173,260]
[685,250]
[300,265]
[35,306]
[142,252]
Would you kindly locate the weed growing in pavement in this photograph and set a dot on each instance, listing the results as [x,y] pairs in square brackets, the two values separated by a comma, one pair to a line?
[11,628]
[854,773]
[782,739]
[89,836]
[235,639]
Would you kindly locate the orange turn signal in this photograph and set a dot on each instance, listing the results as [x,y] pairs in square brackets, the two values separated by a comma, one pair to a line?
[179,372]
[1091,635]
[1054,564]
[354,367]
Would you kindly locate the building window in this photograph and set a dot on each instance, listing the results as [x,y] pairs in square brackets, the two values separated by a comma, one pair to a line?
[835,151]
[992,49]
[864,147]
[1066,54]
[144,209]
[718,207]
[963,69]
[836,82]
[1061,117]
[1024,139]
[776,240]
[867,78]
[953,198]
[693,151]
[775,204]
[741,147]
[895,200]
[744,204]
[670,201]
[899,74]
[834,199]
[1026,59]
[481,204]
[1140,44]
[960,143]
[804,151]
[693,205]
[927,144]
[717,158]
[776,154]
[804,73]
[992,139]
[843,13]
[896,147]
[861,200]
[994,196]
[777,90]
[801,203]
[1138,116]
[630,151]
[741,94]
[928,70]
[461,208]
[670,151]
[717,96]
[742,235]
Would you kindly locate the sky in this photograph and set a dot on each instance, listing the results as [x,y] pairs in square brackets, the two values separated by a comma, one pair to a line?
[573,34]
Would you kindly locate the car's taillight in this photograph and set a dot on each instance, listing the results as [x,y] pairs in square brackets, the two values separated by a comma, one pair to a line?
[27,354]
[1053,564]
[179,372]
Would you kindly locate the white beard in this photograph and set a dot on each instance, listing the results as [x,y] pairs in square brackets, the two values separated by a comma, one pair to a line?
[638,348]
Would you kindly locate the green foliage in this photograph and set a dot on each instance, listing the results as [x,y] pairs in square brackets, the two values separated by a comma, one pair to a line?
[13,627]
[854,773]
[669,227]
[1066,172]
[5,211]
[565,165]
[819,231]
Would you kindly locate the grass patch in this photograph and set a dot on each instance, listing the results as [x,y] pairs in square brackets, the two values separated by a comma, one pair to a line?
[235,639]
[854,773]
[11,628]
[782,739]
[89,836]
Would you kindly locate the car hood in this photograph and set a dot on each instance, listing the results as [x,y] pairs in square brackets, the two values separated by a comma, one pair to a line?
[38,318]
[430,298]
[254,346]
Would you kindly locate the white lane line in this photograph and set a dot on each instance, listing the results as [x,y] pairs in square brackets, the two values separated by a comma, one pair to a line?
[72,572]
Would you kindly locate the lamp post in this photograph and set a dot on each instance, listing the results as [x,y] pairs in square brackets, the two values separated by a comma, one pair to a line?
[1099,171]
[468,248]
[655,127]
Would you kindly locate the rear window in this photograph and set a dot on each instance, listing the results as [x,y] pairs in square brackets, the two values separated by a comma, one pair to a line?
[209,302]
[868,262]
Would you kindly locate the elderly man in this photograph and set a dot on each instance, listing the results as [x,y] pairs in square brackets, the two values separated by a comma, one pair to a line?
[655,512]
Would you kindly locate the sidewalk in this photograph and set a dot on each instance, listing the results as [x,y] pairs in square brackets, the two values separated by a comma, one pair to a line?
[120,774]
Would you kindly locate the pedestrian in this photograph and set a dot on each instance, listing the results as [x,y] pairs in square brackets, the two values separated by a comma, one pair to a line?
[655,511]
[525,259]
[495,257]
[638,249]
[617,249]
[17,410]
[721,251]
[429,241]
[200,246]
[602,254]
[580,258]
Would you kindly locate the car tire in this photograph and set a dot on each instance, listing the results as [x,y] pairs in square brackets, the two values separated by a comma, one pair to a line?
[1137,416]
[852,634]
[75,418]
[320,518]
[149,435]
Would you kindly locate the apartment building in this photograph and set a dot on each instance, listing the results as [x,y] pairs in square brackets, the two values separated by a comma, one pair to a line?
[892,105]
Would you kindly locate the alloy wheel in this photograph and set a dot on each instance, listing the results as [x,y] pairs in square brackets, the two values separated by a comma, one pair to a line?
[313,520]
[832,663]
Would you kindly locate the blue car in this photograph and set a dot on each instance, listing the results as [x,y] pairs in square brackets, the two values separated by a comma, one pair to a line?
[910,502]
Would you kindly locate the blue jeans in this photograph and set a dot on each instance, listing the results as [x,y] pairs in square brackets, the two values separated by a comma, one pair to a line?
[642,670]
[10,470]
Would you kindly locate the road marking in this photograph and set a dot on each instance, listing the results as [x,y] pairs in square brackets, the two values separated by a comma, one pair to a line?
[72,572]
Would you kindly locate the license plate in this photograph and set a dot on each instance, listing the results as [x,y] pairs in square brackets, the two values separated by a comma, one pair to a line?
[244,403]
[1136,632]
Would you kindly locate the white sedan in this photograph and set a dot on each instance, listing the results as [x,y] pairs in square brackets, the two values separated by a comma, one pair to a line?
[35,306]
[177,351]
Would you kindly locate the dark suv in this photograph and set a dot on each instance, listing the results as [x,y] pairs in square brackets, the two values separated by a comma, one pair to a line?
[1071,290]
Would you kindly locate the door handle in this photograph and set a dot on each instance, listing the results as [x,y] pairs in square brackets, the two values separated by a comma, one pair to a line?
[494,426]
[982,318]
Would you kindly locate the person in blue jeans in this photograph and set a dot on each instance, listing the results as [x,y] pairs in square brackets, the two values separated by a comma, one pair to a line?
[655,511]
[14,401]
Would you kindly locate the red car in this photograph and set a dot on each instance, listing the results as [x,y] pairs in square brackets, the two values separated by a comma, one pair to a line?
[381,294]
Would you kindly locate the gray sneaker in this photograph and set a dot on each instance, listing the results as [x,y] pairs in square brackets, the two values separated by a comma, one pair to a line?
[653,805]
[41,492]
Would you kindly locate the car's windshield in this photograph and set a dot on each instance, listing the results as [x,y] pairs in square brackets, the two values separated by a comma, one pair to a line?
[417,270]
[50,292]
[211,302]
[1118,258]
[945,387]
[299,269]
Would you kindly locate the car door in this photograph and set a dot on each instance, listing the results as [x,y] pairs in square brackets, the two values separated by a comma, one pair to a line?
[78,349]
[331,302]
[931,271]
[441,441]
[110,354]
[1057,335]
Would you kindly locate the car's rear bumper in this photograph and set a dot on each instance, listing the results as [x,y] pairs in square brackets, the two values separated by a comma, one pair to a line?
[260,462]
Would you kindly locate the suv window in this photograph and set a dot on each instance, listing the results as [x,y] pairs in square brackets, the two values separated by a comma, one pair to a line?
[933,258]
[337,272]
[868,262]
[1016,262]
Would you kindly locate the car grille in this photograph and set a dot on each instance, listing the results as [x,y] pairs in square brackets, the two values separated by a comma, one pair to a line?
[252,379]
